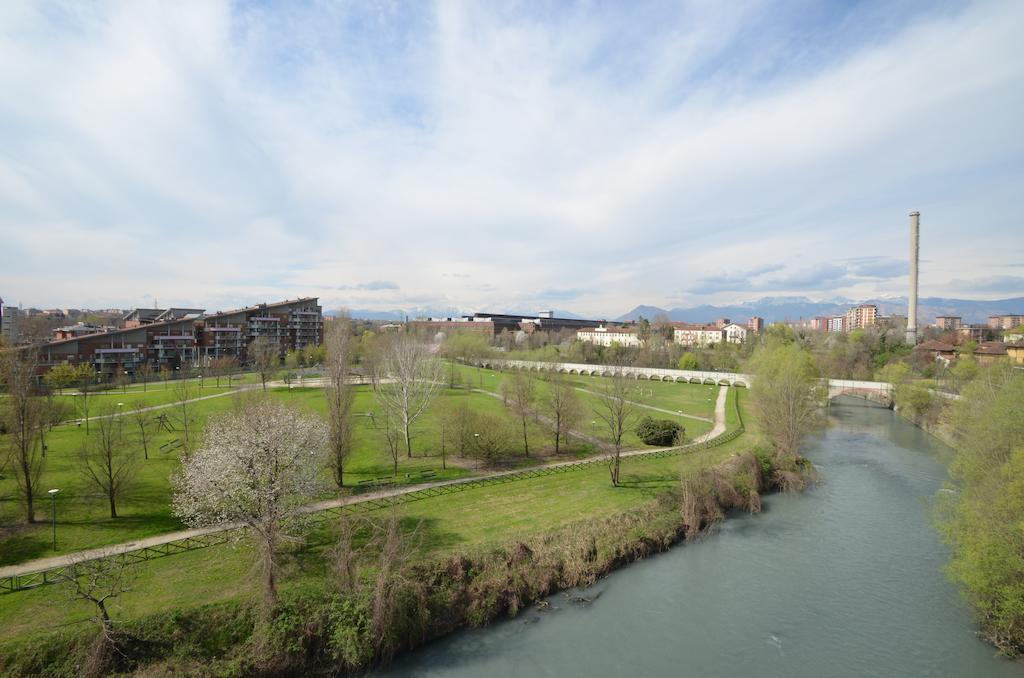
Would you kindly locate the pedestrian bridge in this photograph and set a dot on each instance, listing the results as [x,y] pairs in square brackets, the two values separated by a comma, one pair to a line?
[876,391]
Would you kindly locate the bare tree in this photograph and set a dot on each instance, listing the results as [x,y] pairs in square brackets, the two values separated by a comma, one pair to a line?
[615,410]
[257,466]
[392,620]
[23,417]
[459,425]
[563,408]
[98,581]
[223,367]
[339,395]
[86,379]
[184,394]
[393,439]
[406,378]
[344,555]
[165,376]
[265,356]
[52,413]
[143,420]
[520,392]
[106,460]
[144,373]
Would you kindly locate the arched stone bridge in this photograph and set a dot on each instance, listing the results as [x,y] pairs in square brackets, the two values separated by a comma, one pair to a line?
[876,391]
[649,373]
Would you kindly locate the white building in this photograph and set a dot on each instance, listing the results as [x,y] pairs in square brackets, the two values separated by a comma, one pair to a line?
[606,336]
[698,335]
[735,334]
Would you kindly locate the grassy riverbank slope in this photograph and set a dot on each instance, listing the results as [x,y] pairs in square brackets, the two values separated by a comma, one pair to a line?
[474,554]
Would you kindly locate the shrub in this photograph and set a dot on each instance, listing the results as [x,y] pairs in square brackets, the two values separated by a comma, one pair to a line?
[659,432]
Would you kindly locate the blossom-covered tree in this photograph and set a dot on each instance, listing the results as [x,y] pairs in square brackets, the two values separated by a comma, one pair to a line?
[256,466]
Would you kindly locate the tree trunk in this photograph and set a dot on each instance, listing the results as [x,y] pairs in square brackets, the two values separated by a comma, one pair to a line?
[113,507]
[408,444]
[30,509]
[526,440]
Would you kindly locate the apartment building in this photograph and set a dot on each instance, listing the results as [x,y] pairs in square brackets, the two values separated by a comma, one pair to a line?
[1005,322]
[606,336]
[859,317]
[194,339]
[948,322]
[697,335]
[755,324]
[837,324]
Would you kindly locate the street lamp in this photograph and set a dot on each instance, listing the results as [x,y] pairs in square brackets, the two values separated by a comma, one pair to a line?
[53,500]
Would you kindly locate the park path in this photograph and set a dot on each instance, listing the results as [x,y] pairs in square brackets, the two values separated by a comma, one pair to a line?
[41,564]
[164,406]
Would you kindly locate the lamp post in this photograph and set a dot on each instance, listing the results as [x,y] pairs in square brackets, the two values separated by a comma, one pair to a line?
[53,501]
[124,384]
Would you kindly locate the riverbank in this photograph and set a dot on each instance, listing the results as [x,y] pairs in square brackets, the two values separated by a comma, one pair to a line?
[846,575]
[332,629]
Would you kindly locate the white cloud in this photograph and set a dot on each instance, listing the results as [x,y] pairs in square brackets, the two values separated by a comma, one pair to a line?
[232,154]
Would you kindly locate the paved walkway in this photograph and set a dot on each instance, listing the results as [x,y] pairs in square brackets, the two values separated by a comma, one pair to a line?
[103,552]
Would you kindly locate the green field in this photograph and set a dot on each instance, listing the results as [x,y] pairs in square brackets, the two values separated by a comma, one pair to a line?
[457,521]
[82,514]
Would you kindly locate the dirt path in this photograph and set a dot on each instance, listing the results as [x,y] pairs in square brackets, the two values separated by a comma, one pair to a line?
[103,552]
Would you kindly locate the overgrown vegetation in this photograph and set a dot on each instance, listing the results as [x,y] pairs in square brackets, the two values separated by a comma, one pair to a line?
[786,400]
[387,600]
[982,514]
[662,432]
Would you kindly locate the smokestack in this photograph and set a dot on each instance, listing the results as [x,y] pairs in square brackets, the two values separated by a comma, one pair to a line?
[915,228]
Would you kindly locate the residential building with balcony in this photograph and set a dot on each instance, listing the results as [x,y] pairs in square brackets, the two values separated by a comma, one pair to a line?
[862,316]
[948,322]
[755,324]
[189,340]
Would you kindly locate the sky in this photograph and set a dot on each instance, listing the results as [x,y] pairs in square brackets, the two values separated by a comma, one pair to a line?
[462,156]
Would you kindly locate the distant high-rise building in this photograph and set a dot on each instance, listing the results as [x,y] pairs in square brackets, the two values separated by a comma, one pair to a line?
[948,322]
[755,324]
[1005,322]
[859,317]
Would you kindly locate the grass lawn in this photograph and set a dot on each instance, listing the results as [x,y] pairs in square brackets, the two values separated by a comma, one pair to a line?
[83,515]
[449,522]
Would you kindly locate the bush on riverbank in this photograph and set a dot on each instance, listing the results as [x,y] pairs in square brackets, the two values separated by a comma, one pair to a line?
[981,517]
[317,629]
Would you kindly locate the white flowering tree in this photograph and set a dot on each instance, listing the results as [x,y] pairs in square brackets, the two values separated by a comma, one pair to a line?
[256,466]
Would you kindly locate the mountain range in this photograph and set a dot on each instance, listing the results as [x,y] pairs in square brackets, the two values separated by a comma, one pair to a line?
[770,308]
[793,308]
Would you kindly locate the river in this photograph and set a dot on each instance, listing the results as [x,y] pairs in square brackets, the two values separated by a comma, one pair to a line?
[845,579]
